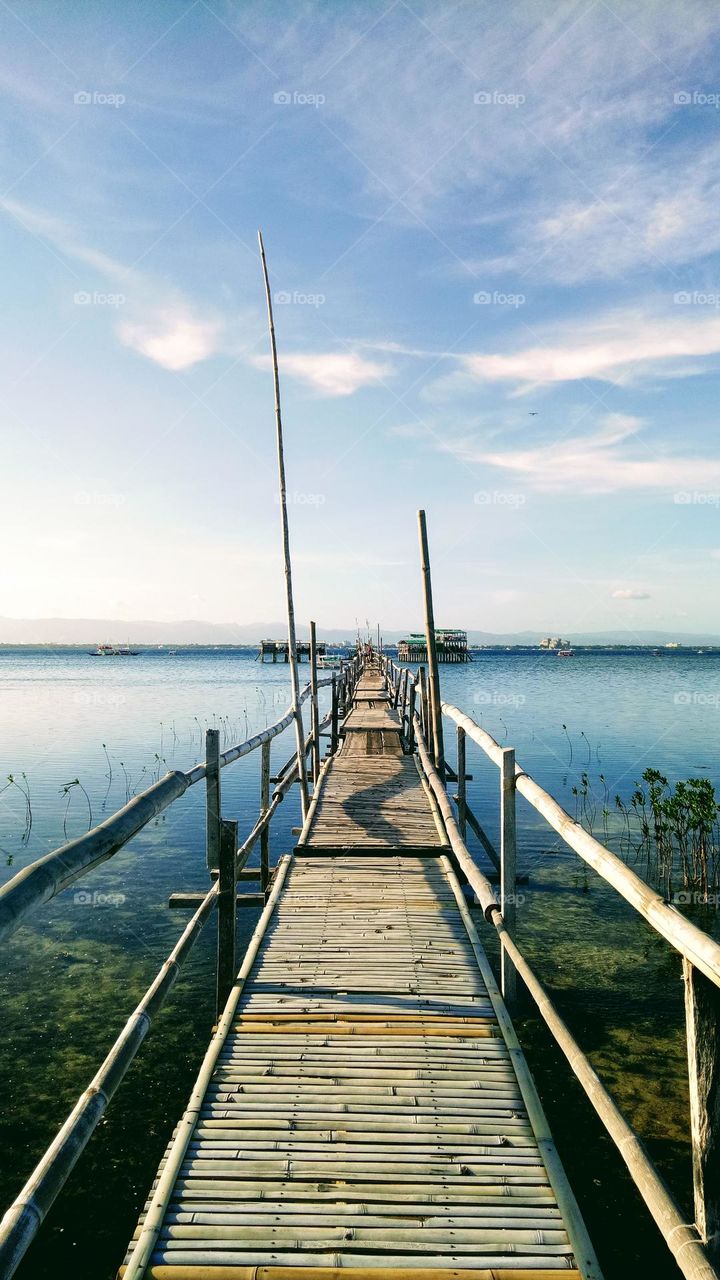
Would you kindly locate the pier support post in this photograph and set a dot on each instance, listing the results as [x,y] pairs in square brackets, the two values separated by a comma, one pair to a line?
[227,904]
[212,795]
[508,866]
[314,713]
[264,806]
[334,716]
[435,711]
[461,783]
[702,1019]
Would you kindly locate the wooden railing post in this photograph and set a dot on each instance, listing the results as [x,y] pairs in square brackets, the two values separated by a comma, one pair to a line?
[411,718]
[424,717]
[508,866]
[264,806]
[435,706]
[461,788]
[227,903]
[212,793]
[334,716]
[702,1024]
[314,713]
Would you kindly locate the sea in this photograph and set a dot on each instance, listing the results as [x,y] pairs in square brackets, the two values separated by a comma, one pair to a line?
[82,734]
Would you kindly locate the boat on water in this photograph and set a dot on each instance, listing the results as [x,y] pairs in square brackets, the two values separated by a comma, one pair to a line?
[114,651]
[566,653]
[330,660]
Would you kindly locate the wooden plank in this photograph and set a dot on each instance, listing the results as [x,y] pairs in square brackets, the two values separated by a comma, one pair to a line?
[365,1116]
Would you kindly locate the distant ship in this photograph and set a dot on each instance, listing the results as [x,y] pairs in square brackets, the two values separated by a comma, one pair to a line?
[114,651]
[566,653]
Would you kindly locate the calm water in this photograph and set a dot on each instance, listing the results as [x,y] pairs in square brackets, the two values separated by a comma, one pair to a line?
[72,976]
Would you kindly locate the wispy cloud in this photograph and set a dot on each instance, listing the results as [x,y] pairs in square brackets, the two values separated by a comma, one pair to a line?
[331,373]
[610,459]
[171,338]
[630,593]
[620,347]
[158,322]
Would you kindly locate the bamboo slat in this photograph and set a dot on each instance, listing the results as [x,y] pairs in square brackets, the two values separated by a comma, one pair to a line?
[364,1112]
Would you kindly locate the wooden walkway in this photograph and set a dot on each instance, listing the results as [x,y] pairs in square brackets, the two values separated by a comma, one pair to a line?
[369,1109]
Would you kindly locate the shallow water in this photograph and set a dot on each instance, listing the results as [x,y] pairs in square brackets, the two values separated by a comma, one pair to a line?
[74,973]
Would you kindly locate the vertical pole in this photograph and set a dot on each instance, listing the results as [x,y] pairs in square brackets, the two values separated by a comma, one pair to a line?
[702,1018]
[435,712]
[314,714]
[264,806]
[334,716]
[461,772]
[411,718]
[508,866]
[424,710]
[292,640]
[227,902]
[212,794]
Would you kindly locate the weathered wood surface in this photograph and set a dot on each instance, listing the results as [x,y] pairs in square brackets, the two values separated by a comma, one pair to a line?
[365,717]
[365,1110]
[371,803]
[369,1109]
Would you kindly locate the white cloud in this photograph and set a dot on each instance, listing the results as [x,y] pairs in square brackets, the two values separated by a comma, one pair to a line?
[606,460]
[620,347]
[172,338]
[170,332]
[630,593]
[330,374]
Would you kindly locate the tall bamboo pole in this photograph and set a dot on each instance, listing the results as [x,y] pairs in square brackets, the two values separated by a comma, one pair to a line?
[435,705]
[292,642]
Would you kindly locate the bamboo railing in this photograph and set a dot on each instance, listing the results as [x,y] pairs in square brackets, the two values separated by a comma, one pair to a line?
[48,876]
[693,1245]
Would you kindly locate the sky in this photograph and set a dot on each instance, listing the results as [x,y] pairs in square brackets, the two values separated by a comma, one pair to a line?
[493,235]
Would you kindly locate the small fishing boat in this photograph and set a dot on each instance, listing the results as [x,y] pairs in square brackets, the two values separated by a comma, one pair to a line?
[114,651]
[330,660]
[566,653]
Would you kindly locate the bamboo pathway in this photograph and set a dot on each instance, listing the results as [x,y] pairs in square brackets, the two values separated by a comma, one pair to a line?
[369,1109]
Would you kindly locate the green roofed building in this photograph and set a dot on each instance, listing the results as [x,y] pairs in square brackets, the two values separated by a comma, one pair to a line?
[451,647]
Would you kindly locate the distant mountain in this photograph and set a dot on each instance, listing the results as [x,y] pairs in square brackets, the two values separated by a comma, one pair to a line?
[92,631]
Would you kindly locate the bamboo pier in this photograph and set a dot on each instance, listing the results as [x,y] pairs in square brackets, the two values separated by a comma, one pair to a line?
[363,1106]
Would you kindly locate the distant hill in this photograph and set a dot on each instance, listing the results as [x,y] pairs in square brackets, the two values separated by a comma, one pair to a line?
[92,631]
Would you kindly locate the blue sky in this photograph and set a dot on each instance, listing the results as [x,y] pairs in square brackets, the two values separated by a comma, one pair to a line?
[493,236]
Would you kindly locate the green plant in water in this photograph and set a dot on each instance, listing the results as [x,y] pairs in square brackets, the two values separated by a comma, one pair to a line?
[675,831]
[67,790]
[24,789]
